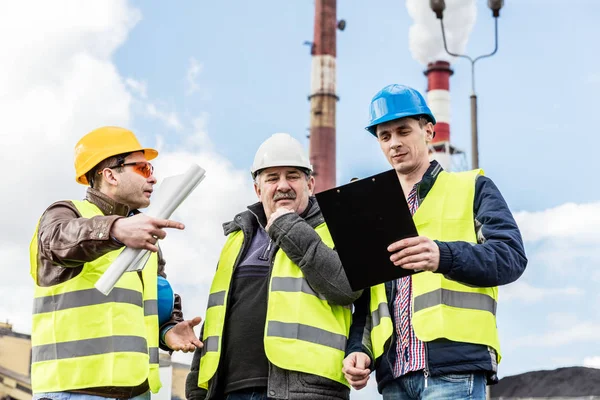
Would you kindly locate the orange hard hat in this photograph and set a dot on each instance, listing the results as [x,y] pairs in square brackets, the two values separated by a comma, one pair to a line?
[103,143]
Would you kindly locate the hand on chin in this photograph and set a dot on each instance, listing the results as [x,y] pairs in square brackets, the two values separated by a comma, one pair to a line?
[279,211]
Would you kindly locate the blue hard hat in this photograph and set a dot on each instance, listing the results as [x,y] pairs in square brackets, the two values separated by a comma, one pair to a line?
[166,300]
[394,102]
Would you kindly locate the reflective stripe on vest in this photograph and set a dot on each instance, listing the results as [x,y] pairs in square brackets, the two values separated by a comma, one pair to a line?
[77,329]
[89,347]
[466,300]
[304,332]
[444,308]
[381,320]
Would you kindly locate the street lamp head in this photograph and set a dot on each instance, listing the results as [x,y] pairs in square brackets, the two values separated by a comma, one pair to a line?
[438,6]
[495,6]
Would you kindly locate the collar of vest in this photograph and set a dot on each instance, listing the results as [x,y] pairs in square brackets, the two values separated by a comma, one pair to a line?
[107,205]
[428,179]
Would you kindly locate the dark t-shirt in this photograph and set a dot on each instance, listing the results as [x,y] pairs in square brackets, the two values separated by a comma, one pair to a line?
[244,362]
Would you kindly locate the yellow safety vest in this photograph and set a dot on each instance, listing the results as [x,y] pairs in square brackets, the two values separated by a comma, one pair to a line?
[303,331]
[83,339]
[443,308]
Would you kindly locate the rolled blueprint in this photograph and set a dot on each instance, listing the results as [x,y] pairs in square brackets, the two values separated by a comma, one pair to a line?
[170,194]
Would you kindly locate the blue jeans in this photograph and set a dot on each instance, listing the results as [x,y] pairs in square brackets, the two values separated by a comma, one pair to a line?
[250,394]
[443,387]
[80,396]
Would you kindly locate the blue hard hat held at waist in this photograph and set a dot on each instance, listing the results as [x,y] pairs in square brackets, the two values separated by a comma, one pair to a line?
[166,300]
[394,102]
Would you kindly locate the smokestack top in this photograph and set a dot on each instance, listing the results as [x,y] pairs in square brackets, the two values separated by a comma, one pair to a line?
[438,75]
[442,66]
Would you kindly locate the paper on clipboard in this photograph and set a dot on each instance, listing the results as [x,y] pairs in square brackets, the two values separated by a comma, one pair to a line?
[169,195]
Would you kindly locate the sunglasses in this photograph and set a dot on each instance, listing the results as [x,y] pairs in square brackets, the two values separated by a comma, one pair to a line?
[143,168]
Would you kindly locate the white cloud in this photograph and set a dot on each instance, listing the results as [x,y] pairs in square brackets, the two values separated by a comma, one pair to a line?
[522,291]
[580,222]
[57,82]
[199,138]
[61,83]
[561,319]
[593,78]
[152,109]
[193,71]
[139,88]
[563,241]
[592,362]
[561,244]
[170,119]
[576,333]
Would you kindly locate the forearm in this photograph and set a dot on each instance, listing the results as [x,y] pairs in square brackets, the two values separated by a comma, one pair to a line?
[493,263]
[67,239]
[320,264]
[359,339]
[176,317]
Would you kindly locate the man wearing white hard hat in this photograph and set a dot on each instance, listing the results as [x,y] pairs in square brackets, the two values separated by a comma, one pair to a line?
[278,312]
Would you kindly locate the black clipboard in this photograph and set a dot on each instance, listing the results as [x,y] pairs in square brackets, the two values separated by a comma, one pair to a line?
[364,217]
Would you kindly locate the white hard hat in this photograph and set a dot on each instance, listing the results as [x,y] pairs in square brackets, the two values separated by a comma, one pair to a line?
[280,150]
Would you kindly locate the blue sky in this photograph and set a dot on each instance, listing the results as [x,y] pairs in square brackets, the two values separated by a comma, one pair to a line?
[256,71]
[207,82]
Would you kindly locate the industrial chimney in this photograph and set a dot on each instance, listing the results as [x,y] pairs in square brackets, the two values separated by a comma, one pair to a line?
[438,98]
[322,96]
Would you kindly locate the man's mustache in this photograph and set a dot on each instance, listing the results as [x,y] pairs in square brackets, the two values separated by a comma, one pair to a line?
[284,195]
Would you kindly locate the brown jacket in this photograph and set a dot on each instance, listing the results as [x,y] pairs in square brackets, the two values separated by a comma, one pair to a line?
[66,241]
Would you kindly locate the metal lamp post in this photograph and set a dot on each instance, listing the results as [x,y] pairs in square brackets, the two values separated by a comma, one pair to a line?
[438,6]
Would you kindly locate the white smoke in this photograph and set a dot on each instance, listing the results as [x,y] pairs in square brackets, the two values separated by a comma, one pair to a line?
[425,35]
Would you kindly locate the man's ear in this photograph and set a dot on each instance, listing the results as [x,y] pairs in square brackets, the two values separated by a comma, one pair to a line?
[311,185]
[109,177]
[429,132]
[257,189]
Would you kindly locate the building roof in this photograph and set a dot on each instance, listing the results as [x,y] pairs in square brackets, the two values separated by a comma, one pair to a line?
[7,331]
[561,382]
[13,375]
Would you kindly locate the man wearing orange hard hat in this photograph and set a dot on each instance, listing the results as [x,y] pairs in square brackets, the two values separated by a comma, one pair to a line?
[86,345]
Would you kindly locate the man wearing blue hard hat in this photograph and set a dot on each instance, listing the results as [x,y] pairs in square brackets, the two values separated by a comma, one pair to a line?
[433,334]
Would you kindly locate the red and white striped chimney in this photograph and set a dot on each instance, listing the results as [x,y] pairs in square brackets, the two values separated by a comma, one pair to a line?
[438,98]
[322,96]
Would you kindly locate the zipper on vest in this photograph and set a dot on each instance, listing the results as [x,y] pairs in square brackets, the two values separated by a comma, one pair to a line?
[387,353]
[272,263]
[212,383]
[426,370]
